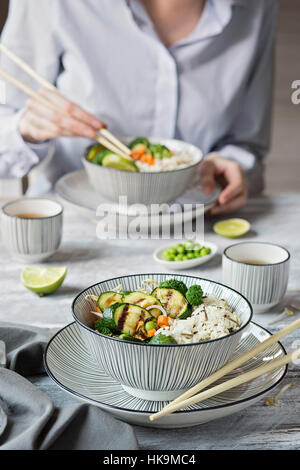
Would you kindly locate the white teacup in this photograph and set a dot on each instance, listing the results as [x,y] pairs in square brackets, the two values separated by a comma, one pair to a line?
[259,271]
[32,228]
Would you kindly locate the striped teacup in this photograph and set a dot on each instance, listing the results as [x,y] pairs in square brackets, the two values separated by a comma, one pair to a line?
[32,228]
[259,271]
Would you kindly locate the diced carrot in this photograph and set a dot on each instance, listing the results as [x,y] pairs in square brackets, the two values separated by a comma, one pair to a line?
[151,332]
[98,309]
[162,321]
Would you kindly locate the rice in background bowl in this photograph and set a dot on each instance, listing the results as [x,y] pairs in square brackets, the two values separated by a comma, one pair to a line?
[159,372]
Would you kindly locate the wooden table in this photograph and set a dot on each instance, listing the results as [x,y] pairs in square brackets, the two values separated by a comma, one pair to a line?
[273,219]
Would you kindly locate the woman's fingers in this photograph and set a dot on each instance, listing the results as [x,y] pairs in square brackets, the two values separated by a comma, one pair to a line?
[236,182]
[69,120]
[235,192]
[207,176]
[72,109]
[66,125]
[230,206]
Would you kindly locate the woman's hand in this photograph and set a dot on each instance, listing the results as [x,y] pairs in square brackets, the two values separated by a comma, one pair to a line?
[40,123]
[235,193]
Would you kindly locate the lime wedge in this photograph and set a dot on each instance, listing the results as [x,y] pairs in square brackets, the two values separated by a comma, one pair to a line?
[119,163]
[43,280]
[232,228]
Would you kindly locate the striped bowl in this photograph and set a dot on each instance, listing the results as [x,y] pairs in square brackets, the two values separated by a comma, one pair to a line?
[30,239]
[141,187]
[157,372]
[264,282]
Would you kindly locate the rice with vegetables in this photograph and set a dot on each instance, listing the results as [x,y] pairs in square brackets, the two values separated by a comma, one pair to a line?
[164,314]
[145,157]
[180,159]
[212,319]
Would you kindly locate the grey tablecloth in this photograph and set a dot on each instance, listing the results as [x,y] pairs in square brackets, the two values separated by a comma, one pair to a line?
[28,418]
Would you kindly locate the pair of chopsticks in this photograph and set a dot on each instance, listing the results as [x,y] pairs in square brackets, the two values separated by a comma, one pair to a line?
[107,139]
[189,398]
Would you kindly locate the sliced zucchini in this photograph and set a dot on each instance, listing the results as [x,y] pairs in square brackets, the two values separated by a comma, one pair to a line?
[106,299]
[173,302]
[126,318]
[143,300]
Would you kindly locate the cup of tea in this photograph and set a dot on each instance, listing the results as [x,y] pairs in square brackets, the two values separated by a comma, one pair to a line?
[32,228]
[259,271]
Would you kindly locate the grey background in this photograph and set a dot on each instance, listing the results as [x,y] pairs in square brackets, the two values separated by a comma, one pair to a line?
[283,162]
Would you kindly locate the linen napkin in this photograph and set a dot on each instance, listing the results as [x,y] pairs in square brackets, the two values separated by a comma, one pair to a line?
[28,418]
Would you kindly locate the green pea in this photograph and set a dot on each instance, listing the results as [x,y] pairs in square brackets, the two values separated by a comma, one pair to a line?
[150,325]
[191,255]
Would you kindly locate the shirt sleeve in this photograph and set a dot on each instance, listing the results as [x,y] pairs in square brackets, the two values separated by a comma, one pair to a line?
[249,138]
[28,33]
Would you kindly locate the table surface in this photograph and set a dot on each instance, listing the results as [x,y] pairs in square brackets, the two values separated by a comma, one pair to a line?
[273,219]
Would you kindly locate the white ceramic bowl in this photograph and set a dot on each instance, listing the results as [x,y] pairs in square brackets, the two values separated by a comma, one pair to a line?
[158,372]
[187,264]
[141,187]
[32,240]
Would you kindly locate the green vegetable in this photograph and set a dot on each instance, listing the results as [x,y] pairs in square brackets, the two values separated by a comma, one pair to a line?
[126,337]
[162,339]
[143,300]
[174,284]
[98,159]
[149,325]
[160,151]
[125,318]
[106,299]
[185,251]
[194,295]
[173,302]
[138,142]
[94,151]
[112,160]
[105,326]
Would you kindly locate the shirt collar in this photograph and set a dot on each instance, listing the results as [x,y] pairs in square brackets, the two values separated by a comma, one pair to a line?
[215,17]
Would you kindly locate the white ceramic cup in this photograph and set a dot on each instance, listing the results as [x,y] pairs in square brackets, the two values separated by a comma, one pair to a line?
[264,285]
[31,239]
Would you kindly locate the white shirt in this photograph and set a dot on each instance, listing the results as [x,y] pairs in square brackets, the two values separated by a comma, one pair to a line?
[213,88]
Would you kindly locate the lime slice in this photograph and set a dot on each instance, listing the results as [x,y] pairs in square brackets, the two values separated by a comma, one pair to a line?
[232,228]
[43,280]
[119,163]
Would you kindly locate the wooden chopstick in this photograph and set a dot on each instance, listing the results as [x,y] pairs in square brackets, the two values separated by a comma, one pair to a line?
[112,147]
[241,379]
[237,362]
[126,152]
[31,92]
[23,65]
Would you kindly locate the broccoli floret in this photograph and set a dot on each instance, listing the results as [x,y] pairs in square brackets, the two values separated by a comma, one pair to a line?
[194,295]
[175,284]
[102,327]
[136,143]
[162,339]
[160,151]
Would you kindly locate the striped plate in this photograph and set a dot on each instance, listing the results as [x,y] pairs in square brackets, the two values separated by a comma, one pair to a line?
[69,364]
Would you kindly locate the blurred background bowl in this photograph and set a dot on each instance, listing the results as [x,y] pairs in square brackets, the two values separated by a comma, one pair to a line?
[141,187]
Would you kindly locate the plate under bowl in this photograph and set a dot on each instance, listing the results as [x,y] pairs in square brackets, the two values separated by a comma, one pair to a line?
[69,364]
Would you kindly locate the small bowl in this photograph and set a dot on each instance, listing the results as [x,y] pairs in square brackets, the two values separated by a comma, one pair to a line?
[143,187]
[158,372]
[187,264]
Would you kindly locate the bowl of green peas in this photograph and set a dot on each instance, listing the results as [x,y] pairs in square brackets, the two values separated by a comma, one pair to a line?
[185,254]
